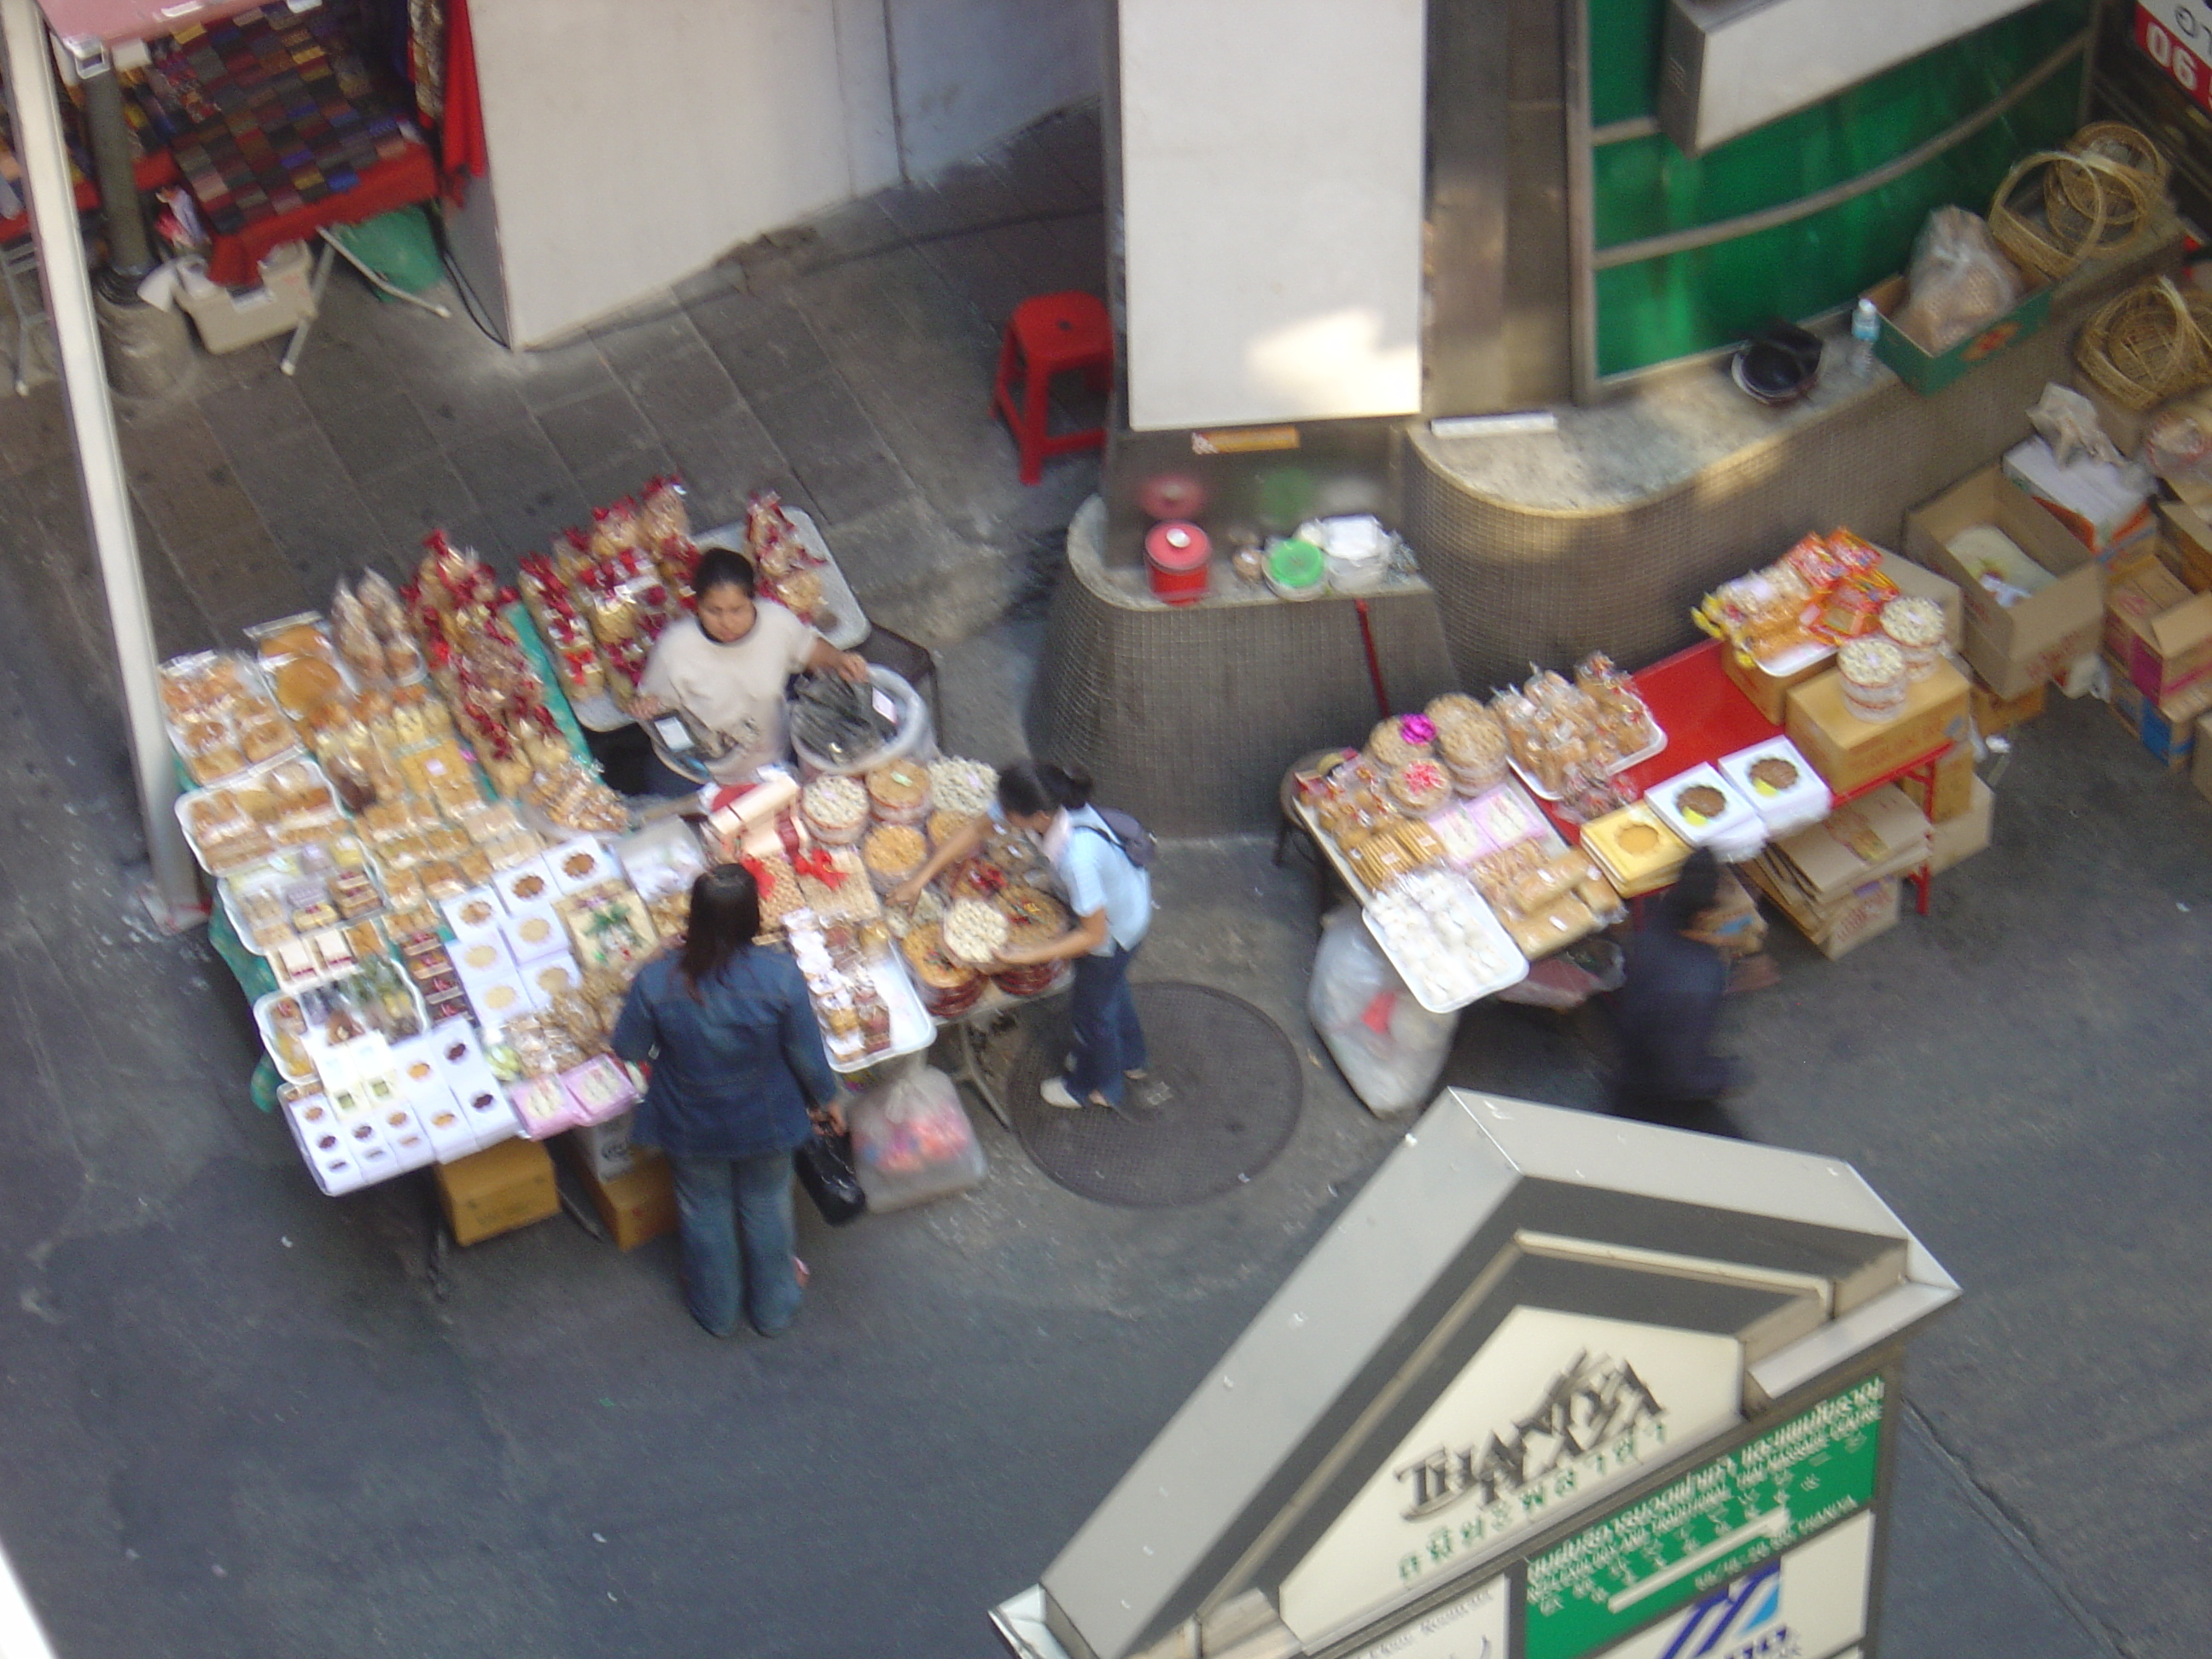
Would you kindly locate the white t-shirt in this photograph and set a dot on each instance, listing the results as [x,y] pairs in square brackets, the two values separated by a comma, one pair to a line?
[737,689]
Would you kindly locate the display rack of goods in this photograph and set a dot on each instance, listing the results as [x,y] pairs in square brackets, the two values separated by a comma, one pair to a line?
[900,793]
[866,1005]
[835,809]
[949,988]
[1567,736]
[1441,937]
[220,717]
[1547,895]
[480,668]
[571,796]
[1792,614]
[306,891]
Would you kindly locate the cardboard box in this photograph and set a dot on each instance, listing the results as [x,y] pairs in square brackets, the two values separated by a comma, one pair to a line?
[1883,834]
[496,1190]
[1769,693]
[1928,372]
[2016,647]
[2188,539]
[1917,582]
[2159,630]
[1993,713]
[1967,833]
[2167,729]
[2094,499]
[2200,767]
[604,1149]
[1954,784]
[1865,913]
[230,319]
[1851,753]
[636,1205]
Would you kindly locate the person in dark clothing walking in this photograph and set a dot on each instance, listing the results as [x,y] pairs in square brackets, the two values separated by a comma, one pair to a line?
[1668,1006]
[738,1061]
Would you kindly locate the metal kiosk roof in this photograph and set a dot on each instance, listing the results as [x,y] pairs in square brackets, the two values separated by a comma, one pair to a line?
[1552,1383]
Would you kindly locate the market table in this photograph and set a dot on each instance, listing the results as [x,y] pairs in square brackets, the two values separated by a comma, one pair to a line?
[1705,716]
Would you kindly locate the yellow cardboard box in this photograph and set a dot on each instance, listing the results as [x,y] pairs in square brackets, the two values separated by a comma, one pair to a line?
[498,1189]
[1850,753]
[1967,833]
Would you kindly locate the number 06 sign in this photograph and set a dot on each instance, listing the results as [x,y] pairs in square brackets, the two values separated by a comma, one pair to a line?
[2178,36]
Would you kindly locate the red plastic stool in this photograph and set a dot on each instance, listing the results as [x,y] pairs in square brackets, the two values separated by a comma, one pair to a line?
[1051,334]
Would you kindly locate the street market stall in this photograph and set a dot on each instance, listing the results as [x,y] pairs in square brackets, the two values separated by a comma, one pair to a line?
[436,904]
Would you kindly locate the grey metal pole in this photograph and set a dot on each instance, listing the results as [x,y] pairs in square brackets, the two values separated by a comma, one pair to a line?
[100,452]
[130,251]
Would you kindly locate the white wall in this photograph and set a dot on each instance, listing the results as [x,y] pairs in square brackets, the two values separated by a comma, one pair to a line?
[632,141]
[1272,157]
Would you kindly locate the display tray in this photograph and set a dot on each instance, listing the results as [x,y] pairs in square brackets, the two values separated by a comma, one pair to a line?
[1657,746]
[912,1029]
[185,801]
[1500,961]
[849,625]
[247,937]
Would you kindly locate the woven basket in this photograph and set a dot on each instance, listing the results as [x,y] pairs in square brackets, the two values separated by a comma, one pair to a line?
[2125,170]
[2149,344]
[2022,227]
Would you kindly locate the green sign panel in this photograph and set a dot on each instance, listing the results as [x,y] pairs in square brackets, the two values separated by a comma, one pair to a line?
[1673,1545]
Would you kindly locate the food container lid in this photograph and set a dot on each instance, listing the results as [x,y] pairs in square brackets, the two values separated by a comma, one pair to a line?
[1177,546]
[1913,622]
[1296,564]
[1872,662]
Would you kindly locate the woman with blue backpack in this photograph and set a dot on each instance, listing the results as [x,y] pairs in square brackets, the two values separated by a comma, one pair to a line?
[1104,857]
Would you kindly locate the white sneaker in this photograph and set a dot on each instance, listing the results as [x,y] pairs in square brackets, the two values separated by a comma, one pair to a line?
[1056,1093]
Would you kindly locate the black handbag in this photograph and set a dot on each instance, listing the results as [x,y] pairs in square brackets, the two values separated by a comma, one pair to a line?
[824,1160]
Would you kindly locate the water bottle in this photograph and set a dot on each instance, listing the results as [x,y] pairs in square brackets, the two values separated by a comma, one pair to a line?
[1866,329]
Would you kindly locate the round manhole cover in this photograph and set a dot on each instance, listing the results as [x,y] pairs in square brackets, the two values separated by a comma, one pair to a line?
[1233,1092]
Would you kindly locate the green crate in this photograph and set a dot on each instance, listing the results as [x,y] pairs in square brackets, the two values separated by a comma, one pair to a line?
[1928,374]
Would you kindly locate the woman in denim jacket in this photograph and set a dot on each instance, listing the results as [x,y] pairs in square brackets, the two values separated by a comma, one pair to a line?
[738,1063]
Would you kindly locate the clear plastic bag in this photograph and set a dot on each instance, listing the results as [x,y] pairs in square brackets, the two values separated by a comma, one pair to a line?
[1390,1049]
[911,1141]
[1959,279]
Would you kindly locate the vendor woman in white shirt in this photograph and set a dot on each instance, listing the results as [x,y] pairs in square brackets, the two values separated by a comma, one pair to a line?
[1112,898]
[723,669]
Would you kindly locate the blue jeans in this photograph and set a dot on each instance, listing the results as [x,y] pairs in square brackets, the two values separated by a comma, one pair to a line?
[720,1201]
[1107,1040]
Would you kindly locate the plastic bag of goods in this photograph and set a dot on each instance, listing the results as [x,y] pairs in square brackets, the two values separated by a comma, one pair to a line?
[911,1141]
[1958,280]
[1390,1049]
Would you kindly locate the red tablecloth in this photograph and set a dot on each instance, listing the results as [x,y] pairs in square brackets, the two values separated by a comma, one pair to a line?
[406,178]
[1701,711]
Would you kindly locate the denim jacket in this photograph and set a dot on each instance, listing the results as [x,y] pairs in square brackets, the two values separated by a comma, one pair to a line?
[734,1069]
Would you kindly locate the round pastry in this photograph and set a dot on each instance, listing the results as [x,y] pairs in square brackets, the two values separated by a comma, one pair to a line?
[482,956]
[1033,916]
[836,809]
[1392,745]
[1916,627]
[578,864]
[305,684]
[1870,664]
[475,913]
[974,931]
[924,948]
[1701,803]
[1773,775]
[1639,838]
[1452,709]
[943,824]
[1420,787]
[535,931]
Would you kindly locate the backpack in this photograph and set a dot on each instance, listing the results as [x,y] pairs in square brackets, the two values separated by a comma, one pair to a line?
[1133,841]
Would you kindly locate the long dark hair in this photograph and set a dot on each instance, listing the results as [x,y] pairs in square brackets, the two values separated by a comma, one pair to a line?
[1028,787]
[721,568]
[725,918]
